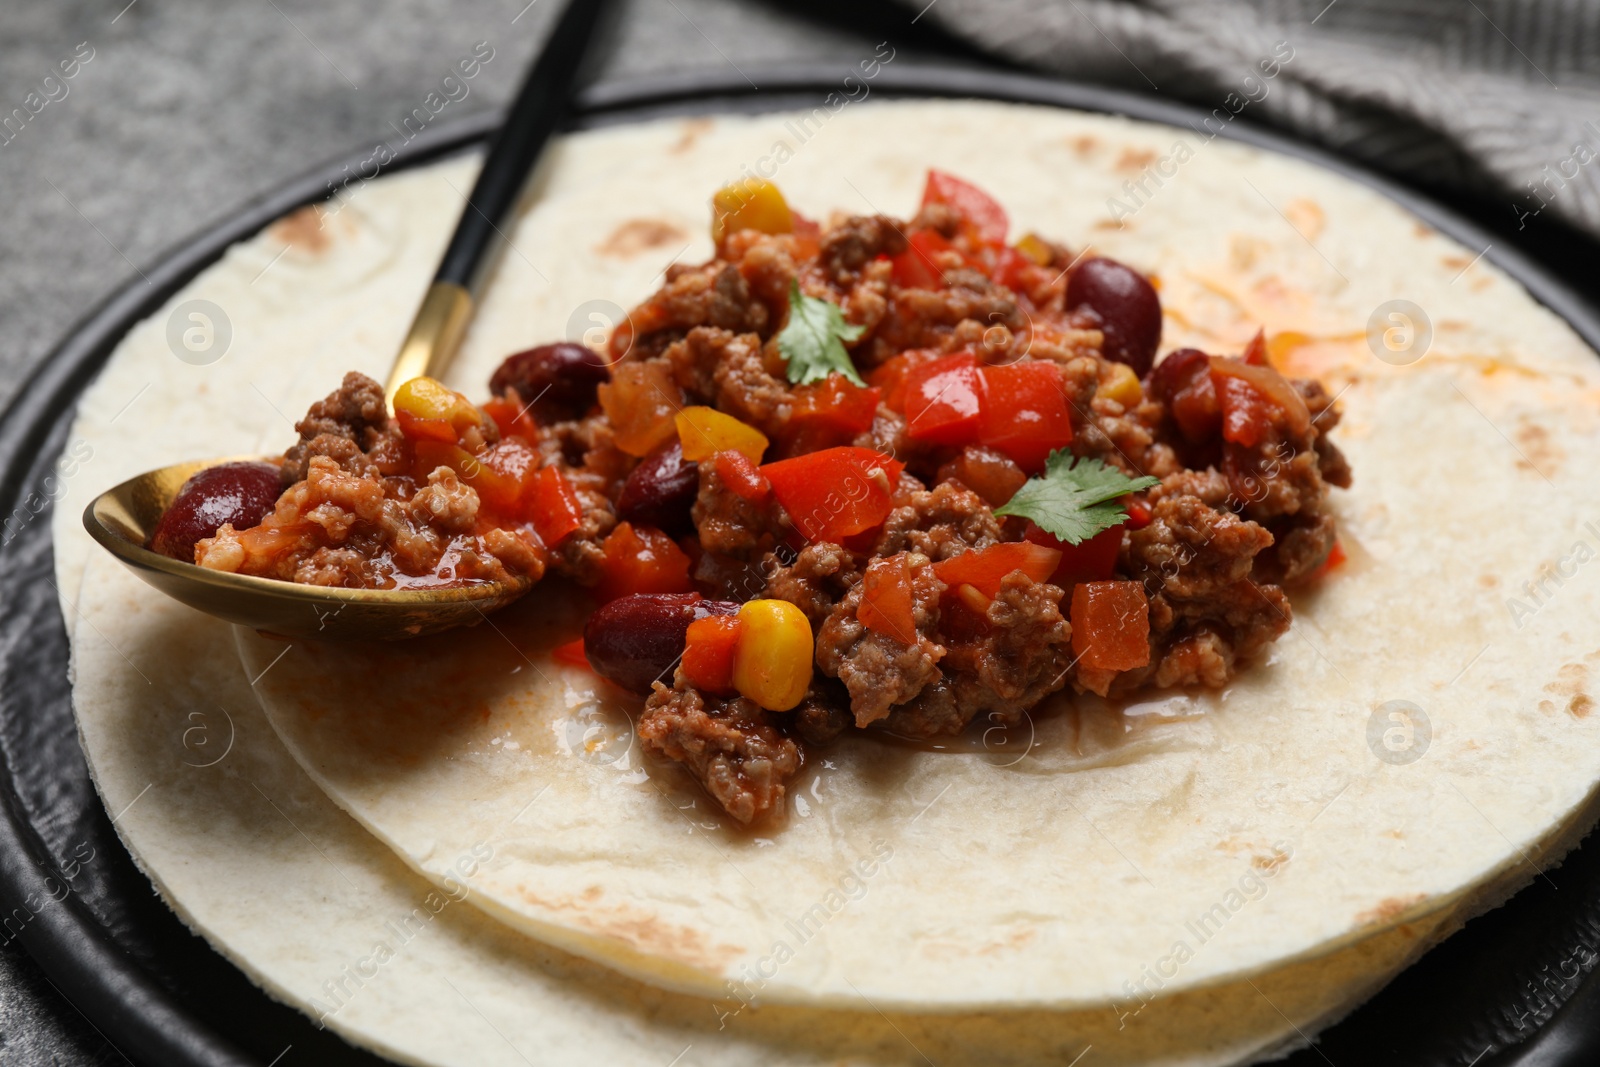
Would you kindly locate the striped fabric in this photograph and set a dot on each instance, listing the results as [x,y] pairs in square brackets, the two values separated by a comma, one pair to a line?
[1500,97]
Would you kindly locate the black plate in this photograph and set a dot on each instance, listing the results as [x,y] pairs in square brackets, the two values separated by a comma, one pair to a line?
[163,997]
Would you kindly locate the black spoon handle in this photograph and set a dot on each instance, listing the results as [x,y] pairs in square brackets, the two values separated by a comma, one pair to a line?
[540,106]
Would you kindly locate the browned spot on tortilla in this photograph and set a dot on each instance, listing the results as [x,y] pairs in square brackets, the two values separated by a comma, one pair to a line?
[1269,863]
[638,235]
[1389,910]
[1306,216]
[640,931]
[1488,581]
[1572,682]
[1134,160]
[1112,224]
[1420,230]
[1547,706]
[1085,145]
[1396,834]
[302,230]
[1539,453]
[691,131]
[1456,264]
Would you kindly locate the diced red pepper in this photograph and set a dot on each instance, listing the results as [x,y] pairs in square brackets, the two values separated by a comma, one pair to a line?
[498,485]
[513,420]
[887,605]
[1093,560]
[993,476]
[1111,625]
[571,653]
[1025,412]
[836,492]
[1336,556]
[552,505]
[642,560]
[918,267]
[742,476]
[419,429]
[830,412]
[1014,270]
[984,568]
[708,653]
[944,399]
[1255,353]
[890,377]
[985,218]
[1139,512]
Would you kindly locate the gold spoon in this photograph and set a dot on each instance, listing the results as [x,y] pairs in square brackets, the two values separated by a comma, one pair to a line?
[122,518]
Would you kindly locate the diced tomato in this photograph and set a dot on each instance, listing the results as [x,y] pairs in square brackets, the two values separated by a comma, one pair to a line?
[993,476]
[985,218]
[1025,412]
[830,412]
[498,488]
[887,606]
[708,653]
[1111,625]
[640,400]
[513,420]
[984,568]
[890,377]
[836,492]
[742,476]
[1093,560]
[571,653]
[1253,398]
[944,399]
[552,505]
[642,560]
[918,267]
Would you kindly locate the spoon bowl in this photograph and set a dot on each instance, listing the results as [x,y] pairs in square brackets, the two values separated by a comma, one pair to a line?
[122,518]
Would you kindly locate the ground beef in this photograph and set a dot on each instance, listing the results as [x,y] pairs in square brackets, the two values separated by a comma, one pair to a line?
[939,523]
[736,374]
[730,525]
[730,746]
[1190,549]
[713,294]
[341,426]
[879,669]
[824,714]
[856,242]
[819,576]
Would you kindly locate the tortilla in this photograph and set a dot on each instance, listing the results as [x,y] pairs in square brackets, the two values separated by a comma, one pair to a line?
[1055,879]
[1357,862]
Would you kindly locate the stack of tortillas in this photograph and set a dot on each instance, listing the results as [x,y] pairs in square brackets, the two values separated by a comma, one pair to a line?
[450,851]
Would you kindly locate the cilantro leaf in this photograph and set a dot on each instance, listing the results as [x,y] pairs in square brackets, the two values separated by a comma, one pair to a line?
[1075,498]
[812,343]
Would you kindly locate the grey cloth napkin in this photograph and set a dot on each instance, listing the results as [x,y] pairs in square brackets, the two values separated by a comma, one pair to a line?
[1497,97]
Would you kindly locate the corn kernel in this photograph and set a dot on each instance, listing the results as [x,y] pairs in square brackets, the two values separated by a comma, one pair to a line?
[1121,385]
[1035,248]
[749,204]
[427,398]
[772,665]
[705,431]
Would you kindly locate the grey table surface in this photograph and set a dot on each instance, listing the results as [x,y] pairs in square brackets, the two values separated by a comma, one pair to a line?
[181,110]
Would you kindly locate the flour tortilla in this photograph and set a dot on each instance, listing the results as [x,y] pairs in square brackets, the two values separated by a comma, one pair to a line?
[1056,881]
[1348,822]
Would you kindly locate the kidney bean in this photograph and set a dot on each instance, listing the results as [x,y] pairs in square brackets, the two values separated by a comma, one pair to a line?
[1128,308]
[636,640]
[237,493]
[1182,381]
[660,491]
[558,380]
